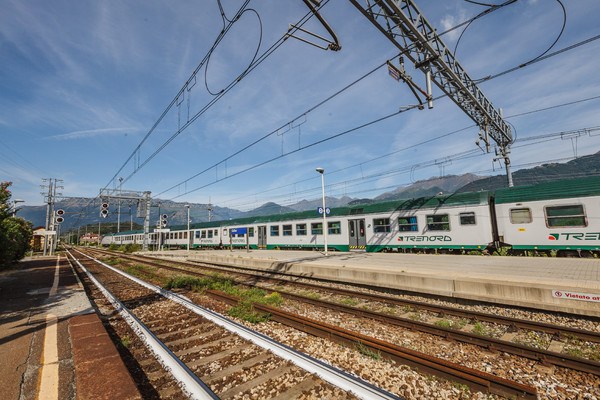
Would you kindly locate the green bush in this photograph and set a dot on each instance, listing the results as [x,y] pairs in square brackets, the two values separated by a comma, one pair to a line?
[15,232]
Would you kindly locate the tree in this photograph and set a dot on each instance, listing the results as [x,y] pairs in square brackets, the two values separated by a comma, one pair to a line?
[15,232]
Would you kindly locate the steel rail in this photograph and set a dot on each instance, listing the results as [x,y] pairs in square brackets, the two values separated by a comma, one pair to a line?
[326,372]
[476,380]
[560,331]
[541,355]
[189,383]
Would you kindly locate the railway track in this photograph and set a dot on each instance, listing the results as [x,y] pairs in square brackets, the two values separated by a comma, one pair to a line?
[544,356]
[551,329]
[203,355]
[476,380]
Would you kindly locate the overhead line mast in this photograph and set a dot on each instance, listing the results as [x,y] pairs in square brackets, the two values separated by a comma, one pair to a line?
[408,29]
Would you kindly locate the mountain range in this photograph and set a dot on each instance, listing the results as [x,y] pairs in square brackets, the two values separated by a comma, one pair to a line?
[177,213]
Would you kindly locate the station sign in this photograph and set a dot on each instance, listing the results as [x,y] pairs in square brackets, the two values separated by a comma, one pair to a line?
[164,230]
[238,231]
[566,295]
[44,233]
[327,210]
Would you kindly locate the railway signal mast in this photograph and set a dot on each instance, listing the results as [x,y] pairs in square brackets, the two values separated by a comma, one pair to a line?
[143,199]
[408,29]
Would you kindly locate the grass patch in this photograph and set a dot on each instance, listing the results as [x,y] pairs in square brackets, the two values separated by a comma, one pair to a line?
[365,351]
[479,329]
[452,324]
[245,310]
[311,294]
[226,285]
[145,272]
[349,301]
[125,341]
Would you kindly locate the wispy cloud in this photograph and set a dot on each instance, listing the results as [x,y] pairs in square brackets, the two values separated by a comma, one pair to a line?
[92,132]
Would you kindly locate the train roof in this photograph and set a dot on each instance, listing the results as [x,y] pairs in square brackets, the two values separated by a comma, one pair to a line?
[456,199]
[581,187]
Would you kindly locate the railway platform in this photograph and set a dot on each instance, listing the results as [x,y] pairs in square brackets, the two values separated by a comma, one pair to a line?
[52,343]
[570,285]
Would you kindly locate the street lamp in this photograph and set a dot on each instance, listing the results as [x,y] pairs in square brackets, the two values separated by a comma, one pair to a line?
[15,201]
[188,227]
[322,172]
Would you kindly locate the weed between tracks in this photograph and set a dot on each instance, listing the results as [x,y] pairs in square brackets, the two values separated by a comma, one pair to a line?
[244,309]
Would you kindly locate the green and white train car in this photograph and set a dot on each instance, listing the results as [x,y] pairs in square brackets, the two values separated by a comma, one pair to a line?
[562,215]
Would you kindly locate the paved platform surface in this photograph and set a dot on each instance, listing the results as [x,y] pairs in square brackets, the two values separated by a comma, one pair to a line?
[52,344]
[558,284]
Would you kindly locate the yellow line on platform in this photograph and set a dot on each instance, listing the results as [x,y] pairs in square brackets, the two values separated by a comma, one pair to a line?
[49,373]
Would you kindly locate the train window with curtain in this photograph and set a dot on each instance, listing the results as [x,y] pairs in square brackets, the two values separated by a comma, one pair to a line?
[381,225]
[334,228]
[316,228]
[250,232]
[274,230]
[287,230]
[565,216]
[439,222]
[467,218]
[300,229]
[408,224]
[520,216]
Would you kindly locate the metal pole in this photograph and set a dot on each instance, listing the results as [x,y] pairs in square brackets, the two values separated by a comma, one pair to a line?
[322,172]
[99,233]
[146,222]
[119,211]
[48,215]
[188,227]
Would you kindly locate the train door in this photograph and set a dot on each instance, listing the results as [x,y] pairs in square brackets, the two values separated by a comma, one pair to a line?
[262,237]
[357,236]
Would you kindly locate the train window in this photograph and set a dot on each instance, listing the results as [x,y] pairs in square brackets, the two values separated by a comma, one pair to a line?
[225,232]
[316,228]
[287,230]
[438,222]
[197,234]
[334,228]
[301,229]
[381,225]
[565,216]
[251,232]
[274,230]
[408,224]
[520,216]
[209,234]
[185,235]
[203,235]
[467,218]
[216,232]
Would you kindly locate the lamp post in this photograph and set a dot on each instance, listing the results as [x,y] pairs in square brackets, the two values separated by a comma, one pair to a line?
[15,201]
[322,172]
[188,227]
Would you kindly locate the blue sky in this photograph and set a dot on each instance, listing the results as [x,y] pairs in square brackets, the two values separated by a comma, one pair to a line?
[82,83]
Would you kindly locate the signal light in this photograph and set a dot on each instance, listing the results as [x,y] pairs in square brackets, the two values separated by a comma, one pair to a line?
[163,220]
[59,219]
[104,210]
[60,212]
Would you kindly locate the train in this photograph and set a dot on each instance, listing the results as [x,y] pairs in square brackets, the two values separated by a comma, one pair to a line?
[561,217]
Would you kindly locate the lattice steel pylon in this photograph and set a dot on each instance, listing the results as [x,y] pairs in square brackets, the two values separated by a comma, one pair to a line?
[408,29]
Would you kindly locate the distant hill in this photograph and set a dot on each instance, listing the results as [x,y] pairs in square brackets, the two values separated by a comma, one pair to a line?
[577,168]
[429,187]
